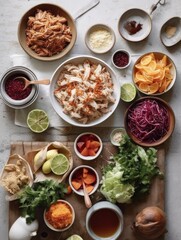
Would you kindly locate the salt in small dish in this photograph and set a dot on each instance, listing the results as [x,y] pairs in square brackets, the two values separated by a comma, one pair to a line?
[170,33]
[117,135]
[100,38]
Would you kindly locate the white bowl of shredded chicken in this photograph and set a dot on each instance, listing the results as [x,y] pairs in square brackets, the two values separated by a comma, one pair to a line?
[84,91]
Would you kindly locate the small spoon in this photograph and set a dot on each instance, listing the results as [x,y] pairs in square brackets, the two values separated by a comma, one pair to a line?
[27,82]
[87,200]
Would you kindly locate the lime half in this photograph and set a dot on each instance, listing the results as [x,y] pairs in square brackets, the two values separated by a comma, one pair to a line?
[37,120]
[59,164]
[128,92]
[74,237]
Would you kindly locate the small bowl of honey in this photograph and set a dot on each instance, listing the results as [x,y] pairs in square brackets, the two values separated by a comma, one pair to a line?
[104,220]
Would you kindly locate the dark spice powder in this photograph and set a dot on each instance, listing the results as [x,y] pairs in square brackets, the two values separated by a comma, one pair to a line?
[14,89]
[121,59]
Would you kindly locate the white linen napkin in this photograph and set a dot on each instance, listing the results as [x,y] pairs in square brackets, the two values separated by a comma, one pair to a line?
[44,70]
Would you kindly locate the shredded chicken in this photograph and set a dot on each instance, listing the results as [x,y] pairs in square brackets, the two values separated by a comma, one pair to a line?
[15,177]
[85,91]
[47,34]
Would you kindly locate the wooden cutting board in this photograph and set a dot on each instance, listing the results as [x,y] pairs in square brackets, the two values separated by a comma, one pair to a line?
[155,198]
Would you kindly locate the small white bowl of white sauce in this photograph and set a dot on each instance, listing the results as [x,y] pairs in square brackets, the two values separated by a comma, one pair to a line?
[100,38]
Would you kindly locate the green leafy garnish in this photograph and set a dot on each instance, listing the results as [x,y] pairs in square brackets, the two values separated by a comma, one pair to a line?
[129,172]
[40,194]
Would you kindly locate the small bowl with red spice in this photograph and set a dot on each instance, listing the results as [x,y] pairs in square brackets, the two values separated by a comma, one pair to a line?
[12,89]
[59,216]
[121,59]
[88,146]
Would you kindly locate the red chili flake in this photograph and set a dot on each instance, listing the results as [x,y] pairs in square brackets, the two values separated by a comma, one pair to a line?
[133,27]
[14,89]
[121,59]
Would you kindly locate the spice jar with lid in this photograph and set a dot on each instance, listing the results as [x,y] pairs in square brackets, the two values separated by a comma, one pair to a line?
[121,59]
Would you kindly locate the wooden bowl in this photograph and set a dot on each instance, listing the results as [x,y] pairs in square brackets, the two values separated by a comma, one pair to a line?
[54,9]
[135,125]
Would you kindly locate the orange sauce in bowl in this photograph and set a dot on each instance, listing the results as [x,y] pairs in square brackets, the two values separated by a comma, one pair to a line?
[104,222]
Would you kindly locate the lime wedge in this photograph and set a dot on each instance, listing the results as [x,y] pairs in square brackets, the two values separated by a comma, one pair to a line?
[59,164]
[128,92]
[74,237]
[37,120]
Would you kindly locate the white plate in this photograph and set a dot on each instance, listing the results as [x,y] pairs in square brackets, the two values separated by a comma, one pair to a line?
[140,16]
[58,108]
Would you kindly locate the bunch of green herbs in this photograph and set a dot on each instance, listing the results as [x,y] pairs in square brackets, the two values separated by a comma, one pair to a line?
[130,172]
[40,194]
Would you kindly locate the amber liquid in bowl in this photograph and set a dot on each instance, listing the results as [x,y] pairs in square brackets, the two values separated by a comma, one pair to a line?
[104,222]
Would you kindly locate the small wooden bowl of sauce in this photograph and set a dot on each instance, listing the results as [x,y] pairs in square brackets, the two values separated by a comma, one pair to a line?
[104,220]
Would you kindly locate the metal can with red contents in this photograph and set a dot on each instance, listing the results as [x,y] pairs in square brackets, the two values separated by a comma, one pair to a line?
[12,91]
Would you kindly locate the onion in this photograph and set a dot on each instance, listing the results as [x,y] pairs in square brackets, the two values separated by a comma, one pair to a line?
[150,222]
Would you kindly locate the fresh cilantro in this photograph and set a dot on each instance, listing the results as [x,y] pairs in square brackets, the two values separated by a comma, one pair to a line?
[40,194]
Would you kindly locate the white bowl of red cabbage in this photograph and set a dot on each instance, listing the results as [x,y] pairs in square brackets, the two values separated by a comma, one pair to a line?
[149,121]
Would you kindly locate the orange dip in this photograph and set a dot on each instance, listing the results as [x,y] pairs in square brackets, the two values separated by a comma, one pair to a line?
[59,215]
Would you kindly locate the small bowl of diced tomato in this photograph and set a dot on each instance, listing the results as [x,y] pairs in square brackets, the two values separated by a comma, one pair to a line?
[88,146]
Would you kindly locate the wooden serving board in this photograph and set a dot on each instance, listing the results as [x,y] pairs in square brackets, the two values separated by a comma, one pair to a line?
[155,198]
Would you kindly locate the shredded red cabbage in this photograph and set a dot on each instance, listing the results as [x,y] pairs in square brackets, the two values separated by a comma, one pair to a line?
[148,120]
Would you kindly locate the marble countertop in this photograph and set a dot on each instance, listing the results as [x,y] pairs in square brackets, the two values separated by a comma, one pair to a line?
[107,12]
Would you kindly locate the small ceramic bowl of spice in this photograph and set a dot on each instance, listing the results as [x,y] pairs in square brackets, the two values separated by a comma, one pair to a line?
[59,216]
[121,59]
[117,136]
[100,38]
[12,91]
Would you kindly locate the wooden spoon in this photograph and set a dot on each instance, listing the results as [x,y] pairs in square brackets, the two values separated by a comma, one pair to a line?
[87,199]
[27,82]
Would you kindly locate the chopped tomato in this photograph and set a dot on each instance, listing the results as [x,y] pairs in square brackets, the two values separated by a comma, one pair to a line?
[88,145]
[80,145]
